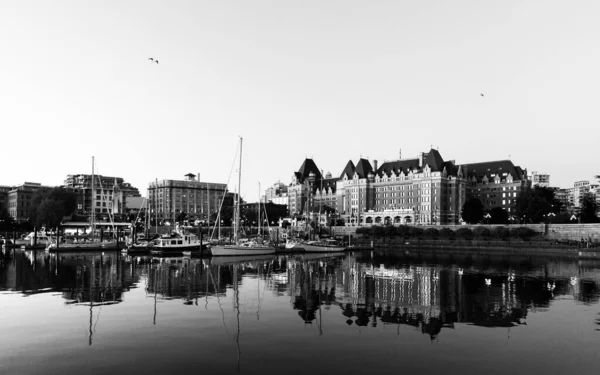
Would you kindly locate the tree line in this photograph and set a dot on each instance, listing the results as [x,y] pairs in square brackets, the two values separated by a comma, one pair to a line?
[534,205]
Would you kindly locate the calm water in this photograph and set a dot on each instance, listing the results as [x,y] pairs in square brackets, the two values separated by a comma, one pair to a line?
[354,313]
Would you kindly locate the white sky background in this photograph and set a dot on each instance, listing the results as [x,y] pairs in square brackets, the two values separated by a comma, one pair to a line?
[332,80]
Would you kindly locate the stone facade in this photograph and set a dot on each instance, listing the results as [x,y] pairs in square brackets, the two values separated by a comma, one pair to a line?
[198,200]
[19,200]
[425,190]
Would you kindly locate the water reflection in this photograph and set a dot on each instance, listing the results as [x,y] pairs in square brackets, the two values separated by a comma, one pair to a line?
[427,292]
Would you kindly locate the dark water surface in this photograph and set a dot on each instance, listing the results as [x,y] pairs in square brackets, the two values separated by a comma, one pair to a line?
[371,313]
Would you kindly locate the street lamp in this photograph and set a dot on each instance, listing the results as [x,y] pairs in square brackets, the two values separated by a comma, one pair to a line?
[487,217]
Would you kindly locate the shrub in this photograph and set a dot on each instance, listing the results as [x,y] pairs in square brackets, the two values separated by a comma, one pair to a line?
[389,230]
[431,233]
[363,230]
[402,230]
[522,233]
[378,230]
[501,233]
[464,233]
[447,233]
[415,232]
[482,232]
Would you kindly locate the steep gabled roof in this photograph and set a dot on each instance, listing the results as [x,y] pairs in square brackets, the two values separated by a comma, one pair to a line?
[397,165]
[451,169]
[434,160]
[363,168]
[348,170]
[306,168]
[479,170]
[328,183]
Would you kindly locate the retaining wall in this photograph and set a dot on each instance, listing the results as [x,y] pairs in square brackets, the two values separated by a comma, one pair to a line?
[562,232]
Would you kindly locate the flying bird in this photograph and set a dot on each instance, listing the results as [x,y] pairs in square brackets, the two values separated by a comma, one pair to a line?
[156,61]
[488,281]
[481,94]
[151,59]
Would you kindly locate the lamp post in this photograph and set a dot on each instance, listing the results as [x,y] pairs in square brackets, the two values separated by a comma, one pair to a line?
[487,217]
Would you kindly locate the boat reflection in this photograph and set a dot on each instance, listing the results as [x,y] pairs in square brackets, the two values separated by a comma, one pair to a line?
[430,293]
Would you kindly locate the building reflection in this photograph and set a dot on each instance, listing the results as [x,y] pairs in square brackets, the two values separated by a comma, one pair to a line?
[435,296]
[429,293]
[81,277]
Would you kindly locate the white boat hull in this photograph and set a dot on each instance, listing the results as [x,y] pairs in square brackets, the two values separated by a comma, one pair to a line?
[310,248]
[82,246]
[232,250]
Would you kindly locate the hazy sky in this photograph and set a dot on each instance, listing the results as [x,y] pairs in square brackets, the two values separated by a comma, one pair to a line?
[332,80]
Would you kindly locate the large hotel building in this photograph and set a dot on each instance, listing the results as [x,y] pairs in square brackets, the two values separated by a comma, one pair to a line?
[423,190]
[169,198]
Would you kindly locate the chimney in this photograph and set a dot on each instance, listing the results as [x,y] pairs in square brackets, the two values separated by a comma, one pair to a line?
[198,176]
[421,159]
[375,165]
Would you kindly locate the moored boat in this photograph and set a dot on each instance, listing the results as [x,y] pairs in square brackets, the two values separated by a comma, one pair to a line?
[323,245]
[242,246]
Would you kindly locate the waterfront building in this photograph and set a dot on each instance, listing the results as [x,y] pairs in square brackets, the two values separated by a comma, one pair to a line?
[562,196]
[422,190]
[539,179]
[198,200]
[278,194]
[496,183]
[4,197]
[579,190]
[311,193]
[20,198]
[136,206]
[111,194]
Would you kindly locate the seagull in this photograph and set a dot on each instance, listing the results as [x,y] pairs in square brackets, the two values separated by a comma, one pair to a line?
[460,272]
[481,94]
[151,59]
[488,281]
[156,61]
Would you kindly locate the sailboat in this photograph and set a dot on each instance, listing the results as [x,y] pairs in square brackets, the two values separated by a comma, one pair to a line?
[241,247]
[86,241]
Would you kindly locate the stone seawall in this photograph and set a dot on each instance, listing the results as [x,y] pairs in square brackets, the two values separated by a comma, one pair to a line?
[561,232]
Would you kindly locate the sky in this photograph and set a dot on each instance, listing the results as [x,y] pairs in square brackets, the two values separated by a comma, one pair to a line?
[329,80]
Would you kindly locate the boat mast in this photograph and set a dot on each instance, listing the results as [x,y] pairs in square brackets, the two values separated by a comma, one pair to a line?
[156,205]
[237,214]
[93,199]
[259,208]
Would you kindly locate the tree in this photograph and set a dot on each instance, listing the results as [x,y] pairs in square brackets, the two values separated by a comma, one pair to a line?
[534,204]
[589,208]
[6,221]
[431,233]
[50,213]
[472,211]
[59,196]
[498,216]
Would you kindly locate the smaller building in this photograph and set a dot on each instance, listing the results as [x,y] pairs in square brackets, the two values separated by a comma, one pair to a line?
[539,179]
[578,191]
[4,197]
[278,194]
[19,200]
